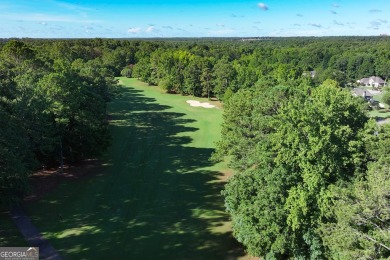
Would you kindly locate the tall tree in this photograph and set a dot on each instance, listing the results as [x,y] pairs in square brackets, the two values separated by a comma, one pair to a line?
[206,78]
[224,74]
[362,209]
[192,73]
[289,155]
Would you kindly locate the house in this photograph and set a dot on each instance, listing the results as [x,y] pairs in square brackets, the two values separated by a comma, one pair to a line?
[358,92]
[373,81]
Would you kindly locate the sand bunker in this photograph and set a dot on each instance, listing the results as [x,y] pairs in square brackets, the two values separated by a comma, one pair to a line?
[195,103]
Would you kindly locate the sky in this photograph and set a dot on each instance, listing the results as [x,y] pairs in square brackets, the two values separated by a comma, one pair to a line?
[198,18]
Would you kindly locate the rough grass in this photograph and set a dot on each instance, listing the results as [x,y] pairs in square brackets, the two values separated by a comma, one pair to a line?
[157,195]
[9,234]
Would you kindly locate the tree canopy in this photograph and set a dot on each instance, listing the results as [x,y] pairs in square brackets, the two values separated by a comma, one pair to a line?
[52,107]
[293,151]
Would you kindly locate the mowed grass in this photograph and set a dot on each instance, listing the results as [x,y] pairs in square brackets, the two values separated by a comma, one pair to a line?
[380,114]
[157,195]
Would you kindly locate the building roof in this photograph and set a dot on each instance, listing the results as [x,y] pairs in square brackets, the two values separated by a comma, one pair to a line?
[361,92]
[364,80]
[372,79]
[377,79]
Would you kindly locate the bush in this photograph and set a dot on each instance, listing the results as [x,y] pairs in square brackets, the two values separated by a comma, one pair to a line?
[127,71]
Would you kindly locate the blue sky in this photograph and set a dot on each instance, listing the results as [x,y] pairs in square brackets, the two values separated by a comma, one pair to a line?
[198,18]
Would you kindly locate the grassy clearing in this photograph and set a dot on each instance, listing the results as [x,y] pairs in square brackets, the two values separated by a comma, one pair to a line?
[380,114]
[157,196]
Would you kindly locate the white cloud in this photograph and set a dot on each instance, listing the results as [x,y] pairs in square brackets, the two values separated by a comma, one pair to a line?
[150,29]
[263,6]
[134,30]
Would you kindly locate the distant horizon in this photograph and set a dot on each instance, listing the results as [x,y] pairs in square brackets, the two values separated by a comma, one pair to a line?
[192,19]
[189,38]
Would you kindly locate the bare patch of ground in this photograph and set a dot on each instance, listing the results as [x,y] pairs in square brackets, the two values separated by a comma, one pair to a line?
[47,180]
[225,175]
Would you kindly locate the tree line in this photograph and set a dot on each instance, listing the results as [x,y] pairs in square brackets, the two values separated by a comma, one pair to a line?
[52,109]
[216,68]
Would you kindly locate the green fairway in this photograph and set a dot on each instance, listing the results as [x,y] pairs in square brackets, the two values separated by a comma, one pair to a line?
[157,195]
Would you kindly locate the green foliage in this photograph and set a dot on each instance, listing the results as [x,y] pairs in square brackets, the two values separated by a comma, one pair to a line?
[255,200]
[248,120]
[142,70]
[192,74]
[317,138]
[386,96]
[13,154]
[236,65]
[223,74]
[289,149]
[49,104]
[167,85]
[127,71]
[228,94]
[362,213]
[362,216]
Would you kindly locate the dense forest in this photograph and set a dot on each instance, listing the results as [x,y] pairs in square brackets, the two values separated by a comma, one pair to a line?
[214,68]
[311,169]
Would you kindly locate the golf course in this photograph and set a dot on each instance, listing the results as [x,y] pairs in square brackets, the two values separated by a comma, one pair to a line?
[156,195]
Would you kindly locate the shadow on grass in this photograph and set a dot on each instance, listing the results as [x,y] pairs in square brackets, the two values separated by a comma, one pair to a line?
[157,199]
[9,234]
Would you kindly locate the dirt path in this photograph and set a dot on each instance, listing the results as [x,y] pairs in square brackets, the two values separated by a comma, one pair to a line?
[32,234]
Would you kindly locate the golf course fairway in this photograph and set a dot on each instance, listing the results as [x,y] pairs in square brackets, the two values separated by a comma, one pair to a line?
[156,195]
